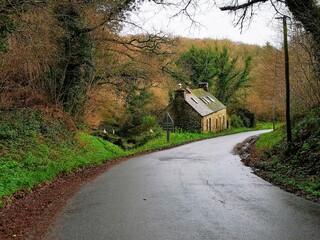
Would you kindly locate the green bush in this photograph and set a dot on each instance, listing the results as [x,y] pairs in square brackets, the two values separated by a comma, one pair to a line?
[19,124]
[247,117]
[149,122]
[236,121]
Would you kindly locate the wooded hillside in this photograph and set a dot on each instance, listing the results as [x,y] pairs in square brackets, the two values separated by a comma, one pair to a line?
[68,56]
[75,92]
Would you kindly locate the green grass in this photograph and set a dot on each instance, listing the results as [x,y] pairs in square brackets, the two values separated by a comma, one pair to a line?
[267,141]
[311,186]
[297,167]
[43,162]
[34,151]
[175,139]
[181,138]
[267,125]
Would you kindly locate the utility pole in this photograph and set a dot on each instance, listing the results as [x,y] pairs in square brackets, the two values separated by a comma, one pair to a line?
[274,92]
[286,61]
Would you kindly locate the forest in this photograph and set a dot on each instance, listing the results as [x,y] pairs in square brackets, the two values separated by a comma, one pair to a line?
[68,57]
[65,69]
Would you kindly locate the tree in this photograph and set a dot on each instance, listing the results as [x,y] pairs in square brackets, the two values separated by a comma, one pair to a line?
[196,65]
[230,80]
[10,11]
[75,63]
[217,67]
[136,100]
[76,27]
[307,12]
[305,85]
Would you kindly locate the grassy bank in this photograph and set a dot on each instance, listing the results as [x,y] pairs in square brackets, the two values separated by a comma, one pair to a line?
[180,138]
[35,148]
[296,168]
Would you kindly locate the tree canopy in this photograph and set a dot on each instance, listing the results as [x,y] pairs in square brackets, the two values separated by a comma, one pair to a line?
[307,12]
[217,67]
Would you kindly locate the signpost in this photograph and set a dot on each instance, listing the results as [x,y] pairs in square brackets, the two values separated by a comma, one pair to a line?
[168,125]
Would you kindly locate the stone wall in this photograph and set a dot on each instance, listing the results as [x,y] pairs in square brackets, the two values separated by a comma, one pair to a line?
[215,122]
[184,116]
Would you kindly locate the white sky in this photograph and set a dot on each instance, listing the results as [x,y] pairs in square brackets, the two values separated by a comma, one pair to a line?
[212,23]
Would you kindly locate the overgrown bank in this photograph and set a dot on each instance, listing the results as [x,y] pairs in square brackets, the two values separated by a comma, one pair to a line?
[295,168]
[35,147]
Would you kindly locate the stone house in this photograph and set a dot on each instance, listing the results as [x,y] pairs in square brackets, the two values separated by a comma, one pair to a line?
[198,110]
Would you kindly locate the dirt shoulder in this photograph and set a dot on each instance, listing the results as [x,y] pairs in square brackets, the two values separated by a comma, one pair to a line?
[29,214]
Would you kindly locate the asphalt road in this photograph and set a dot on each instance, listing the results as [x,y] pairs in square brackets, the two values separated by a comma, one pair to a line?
[196,191]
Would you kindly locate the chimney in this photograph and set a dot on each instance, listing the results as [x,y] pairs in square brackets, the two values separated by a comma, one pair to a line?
[179,93]
[204,86]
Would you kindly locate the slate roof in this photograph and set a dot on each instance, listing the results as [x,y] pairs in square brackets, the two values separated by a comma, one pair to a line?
[203,102]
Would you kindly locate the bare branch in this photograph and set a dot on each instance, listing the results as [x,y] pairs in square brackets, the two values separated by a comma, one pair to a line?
[236,7]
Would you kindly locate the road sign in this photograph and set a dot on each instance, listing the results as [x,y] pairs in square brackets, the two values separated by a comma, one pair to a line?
[168,123]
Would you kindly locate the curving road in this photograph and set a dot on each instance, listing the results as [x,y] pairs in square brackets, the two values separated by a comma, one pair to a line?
[196,191]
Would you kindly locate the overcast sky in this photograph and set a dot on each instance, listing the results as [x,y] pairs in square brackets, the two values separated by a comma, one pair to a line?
[211,23]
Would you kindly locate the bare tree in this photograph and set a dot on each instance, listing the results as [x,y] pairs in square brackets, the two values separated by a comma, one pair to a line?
[76,27]
[307,12]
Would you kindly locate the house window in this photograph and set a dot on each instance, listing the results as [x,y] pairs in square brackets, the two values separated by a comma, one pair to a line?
[204,100]
[224,121]
[210,98]
[196,101]
[216,123]
[207,124]
[210,128]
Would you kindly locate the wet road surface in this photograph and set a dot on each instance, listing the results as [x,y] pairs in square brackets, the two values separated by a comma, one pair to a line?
[196,191]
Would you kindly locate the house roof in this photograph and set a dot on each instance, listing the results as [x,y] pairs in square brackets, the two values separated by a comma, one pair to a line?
[203,102]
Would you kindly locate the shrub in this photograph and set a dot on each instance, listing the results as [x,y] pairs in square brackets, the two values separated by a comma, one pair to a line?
[247,117]
[236,121]
[149,122]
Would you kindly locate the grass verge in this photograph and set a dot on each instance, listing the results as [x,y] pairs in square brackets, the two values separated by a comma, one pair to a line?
[181,138]
[34,149]
[297,168]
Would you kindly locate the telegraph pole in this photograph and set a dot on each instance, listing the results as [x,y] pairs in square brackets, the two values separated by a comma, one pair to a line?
[286,61]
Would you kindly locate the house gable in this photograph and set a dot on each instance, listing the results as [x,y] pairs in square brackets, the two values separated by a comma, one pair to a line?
[197,110]
[184,115]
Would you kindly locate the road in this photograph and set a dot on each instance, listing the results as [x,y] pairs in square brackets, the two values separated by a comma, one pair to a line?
[196,191]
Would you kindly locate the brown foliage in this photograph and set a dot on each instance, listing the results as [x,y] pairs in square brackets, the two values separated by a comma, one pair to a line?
[119,66]
[33,51]
[268,87]
[22,68]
